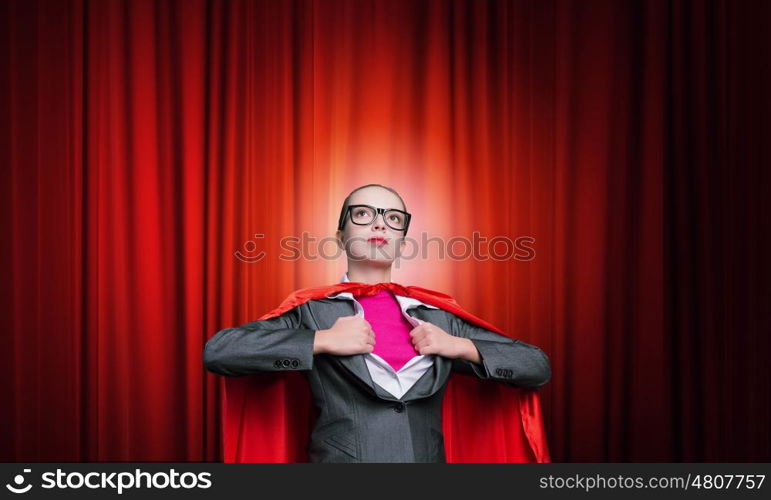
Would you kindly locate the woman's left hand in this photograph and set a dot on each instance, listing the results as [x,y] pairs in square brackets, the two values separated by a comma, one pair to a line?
[427,338]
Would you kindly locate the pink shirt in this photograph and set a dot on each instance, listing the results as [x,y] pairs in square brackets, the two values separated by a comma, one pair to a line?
[392,330]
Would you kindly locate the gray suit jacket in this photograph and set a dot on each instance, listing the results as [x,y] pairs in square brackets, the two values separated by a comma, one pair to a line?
[358,421]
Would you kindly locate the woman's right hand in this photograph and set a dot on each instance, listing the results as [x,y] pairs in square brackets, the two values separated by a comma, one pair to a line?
[349,335]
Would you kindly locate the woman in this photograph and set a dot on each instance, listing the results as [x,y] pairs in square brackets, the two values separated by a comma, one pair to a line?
[377,355]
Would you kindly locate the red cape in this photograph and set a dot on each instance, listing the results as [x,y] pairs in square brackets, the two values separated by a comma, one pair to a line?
[268,417]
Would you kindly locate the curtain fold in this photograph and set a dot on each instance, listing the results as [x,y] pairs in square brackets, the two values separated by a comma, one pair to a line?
[157,154]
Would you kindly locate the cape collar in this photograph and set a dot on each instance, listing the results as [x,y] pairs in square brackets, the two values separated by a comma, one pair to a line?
[405,302]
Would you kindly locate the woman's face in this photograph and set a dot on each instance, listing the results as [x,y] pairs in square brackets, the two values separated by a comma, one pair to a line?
[376,243]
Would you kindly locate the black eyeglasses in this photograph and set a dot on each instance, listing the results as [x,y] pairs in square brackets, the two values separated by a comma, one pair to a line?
[364,215]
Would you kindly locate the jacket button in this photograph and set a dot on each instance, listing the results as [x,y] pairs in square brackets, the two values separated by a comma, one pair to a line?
[399,407]
[285,362]
[277,363]
[295,363]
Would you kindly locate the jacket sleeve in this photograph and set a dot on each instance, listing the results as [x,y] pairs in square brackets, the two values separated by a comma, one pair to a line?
[507,360]
[274,344]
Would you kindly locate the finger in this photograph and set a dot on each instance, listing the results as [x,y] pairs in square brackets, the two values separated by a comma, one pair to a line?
[423,335]
[425,349]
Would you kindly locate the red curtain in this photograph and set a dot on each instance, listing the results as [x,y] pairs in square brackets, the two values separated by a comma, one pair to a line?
[154,155]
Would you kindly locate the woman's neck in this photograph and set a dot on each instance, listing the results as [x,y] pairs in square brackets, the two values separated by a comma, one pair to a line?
[361,273]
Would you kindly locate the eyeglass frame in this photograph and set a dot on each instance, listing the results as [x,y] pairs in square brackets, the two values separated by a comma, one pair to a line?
[378,211]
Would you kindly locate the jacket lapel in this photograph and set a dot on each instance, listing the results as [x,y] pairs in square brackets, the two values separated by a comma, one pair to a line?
[433,380]
[325,312]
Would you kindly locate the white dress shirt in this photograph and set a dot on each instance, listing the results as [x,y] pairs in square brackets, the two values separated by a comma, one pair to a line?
[382,373]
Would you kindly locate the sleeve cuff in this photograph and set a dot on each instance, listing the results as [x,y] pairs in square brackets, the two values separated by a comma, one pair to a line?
[481,370]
